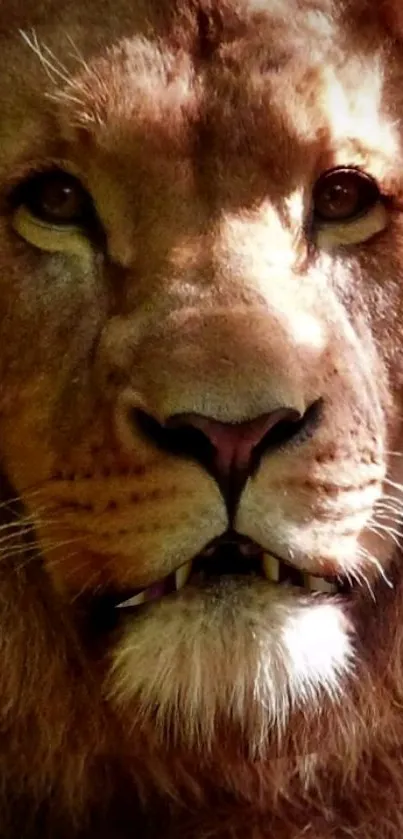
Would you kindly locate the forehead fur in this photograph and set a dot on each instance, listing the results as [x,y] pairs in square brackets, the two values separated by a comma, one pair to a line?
[174,69]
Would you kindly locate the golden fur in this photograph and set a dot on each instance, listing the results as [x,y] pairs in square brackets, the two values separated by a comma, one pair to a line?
[199,128]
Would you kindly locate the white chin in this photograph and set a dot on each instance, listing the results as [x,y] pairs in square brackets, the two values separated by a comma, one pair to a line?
[248,653]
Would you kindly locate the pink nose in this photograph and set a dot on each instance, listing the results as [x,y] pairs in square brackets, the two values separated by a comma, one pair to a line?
[234,444]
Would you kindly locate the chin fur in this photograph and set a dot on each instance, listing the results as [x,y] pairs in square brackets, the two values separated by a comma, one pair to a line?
[253,656]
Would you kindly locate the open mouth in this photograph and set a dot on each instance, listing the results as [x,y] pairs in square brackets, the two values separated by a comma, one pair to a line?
[231,555]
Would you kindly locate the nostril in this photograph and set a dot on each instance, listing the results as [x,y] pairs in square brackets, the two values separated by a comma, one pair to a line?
[289,429]
[181,439]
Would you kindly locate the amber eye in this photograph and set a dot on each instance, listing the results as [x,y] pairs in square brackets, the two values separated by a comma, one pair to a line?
[343,194]
[56,198]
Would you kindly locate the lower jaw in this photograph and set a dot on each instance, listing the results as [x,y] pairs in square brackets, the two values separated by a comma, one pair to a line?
[106,613]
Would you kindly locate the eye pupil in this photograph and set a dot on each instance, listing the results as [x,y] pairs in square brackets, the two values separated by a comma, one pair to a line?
[342,194]
[338,198]
[59,200]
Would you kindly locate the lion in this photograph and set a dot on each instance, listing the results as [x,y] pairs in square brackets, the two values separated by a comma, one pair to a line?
[201,419]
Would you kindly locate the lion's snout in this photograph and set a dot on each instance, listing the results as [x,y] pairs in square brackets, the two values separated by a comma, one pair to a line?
[230,452]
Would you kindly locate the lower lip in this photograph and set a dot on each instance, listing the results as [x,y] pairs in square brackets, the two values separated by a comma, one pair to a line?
[200,579]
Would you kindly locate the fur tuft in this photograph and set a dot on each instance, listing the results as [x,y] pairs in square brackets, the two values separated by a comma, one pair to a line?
[238,654]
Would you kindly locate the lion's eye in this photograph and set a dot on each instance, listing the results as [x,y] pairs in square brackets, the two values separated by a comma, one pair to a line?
[56,198]
[53,212]
[343,194]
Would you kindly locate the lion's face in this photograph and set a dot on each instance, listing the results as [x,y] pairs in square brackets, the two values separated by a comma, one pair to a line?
[201,344]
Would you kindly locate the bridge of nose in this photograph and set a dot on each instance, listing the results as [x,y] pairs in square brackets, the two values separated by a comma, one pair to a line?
[227,365]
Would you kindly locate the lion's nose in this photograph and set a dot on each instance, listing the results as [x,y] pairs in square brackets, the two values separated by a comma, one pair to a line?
[230,452]
[234,445]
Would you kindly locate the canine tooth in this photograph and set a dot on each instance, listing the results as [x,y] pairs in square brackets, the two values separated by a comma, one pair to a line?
[133,601]
[182,575]
[271,567]
[319,584]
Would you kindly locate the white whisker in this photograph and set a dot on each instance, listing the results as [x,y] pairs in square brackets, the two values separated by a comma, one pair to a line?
[52,71]
[63,96]
[395,535]
[374,561]
[396,518]
[77,54]
[56,63]
[393,484]
[388,505]
[388,497]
